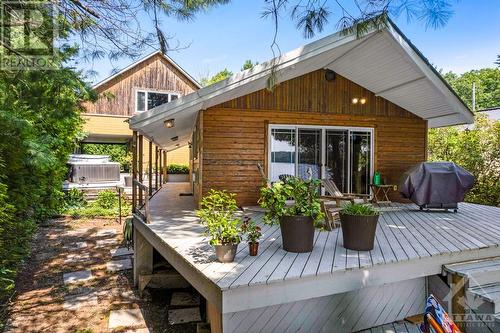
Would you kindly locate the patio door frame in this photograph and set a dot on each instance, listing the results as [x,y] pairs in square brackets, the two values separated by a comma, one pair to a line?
[323,129]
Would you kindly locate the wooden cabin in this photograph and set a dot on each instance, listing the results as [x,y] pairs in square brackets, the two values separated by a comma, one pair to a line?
[344,106]
[149,82]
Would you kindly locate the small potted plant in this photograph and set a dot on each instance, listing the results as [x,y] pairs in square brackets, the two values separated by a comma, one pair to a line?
[295,205]
[359,224]
[217,214]
[253,233]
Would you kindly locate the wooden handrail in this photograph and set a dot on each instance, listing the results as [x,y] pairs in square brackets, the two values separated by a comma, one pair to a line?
[144,190]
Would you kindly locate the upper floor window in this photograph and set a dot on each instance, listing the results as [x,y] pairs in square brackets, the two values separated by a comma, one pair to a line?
[146,100]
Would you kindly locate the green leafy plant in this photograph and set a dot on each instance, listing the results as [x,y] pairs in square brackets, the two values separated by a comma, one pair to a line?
[177,169]
[359,209]
[106,199]
[74,198]
[218,215]
[251,229]
[304,195]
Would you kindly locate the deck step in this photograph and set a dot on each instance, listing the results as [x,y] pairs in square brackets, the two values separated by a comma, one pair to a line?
[479,272]
[485,298]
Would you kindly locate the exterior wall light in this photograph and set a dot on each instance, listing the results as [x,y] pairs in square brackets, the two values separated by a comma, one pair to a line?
[362,100]
[355,101]
[169,123]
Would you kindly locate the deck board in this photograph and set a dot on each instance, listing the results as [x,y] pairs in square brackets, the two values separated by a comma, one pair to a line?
[404,235]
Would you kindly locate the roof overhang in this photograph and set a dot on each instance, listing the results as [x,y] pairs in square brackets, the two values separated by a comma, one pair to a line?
[382,61]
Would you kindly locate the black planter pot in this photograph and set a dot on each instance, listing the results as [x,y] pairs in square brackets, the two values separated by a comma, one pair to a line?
[226,252]
[297,233]
[358,231]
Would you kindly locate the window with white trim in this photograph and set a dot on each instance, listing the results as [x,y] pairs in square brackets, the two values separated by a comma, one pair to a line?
[147,100]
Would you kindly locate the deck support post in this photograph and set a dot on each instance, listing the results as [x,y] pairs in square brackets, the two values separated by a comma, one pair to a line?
[164,166]
[160,151]
[143,256]
[457,289]
[214,318]
[150,168]
[134,170]
[141,153]
[156,167]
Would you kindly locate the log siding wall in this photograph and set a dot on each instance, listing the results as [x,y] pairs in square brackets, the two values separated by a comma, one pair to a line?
[235,132]
[117,97]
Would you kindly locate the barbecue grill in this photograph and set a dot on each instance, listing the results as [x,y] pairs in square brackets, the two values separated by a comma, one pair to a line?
[439,185]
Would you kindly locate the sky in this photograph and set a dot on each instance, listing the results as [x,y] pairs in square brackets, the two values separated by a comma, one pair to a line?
[226,36]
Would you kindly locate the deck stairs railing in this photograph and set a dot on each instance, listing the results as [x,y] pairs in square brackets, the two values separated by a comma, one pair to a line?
[475,292]
[141,209]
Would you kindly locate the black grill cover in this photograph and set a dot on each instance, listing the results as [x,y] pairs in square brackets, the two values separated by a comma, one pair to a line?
[431,183]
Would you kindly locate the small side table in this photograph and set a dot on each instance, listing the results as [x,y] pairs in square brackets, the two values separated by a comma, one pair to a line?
[382,191]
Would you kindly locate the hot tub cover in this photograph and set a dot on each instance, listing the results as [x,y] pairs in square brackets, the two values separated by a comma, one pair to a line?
[430,183]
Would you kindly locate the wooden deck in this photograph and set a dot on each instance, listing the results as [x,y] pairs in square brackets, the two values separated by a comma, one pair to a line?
[409,244]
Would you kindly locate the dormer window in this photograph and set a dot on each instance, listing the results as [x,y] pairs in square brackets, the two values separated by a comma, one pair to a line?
[147,100]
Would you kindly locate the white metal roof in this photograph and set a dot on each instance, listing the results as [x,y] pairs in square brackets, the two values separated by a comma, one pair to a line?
[382,61]
[132,65]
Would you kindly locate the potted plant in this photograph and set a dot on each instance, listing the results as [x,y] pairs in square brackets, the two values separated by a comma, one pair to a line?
[217,214]
[359,223]
[253,233]
[295,205]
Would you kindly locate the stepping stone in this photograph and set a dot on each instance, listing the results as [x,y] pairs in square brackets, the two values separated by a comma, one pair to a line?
[121,251]
[76,257]
[105,242]
[76,246]
[124,318]
[76,232]
[119,265]
[139,330]
[184,299]
[129,296]
[78,276]
[106,233]
[182,316]
[74,302]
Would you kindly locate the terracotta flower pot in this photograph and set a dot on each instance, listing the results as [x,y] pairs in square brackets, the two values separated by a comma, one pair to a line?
[297,233]
[226,252]
[253,248]
[358,231]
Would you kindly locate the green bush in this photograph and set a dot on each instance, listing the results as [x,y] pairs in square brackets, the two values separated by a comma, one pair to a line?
[359,209]
[74,198]
[476,150]
[177,169]
[106,199]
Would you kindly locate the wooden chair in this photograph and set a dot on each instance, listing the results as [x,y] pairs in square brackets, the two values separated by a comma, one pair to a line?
[338,196]
[332,217]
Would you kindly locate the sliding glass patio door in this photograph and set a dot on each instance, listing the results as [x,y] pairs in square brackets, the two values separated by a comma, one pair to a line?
[309,153]
[337,161]
[341,154]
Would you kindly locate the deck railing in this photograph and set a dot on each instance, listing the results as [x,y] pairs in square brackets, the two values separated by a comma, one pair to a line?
[155,175]
[142,209]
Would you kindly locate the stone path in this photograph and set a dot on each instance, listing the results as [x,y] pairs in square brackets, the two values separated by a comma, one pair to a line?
[184,307]
[121,259]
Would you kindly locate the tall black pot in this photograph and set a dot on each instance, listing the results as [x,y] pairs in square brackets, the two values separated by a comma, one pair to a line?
[358,231]
[297,233]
